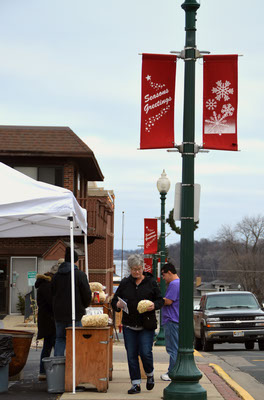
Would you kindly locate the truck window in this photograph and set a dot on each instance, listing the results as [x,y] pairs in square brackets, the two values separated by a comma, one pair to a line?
[232,301]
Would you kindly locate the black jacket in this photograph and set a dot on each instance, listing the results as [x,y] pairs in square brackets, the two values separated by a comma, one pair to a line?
[46,324]
[132,294]
[61,291]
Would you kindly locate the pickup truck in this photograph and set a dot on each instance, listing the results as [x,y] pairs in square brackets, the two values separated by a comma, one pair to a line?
[232,317]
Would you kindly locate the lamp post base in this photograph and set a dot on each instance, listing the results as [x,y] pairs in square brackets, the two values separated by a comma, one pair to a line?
[184,391]
[185,378]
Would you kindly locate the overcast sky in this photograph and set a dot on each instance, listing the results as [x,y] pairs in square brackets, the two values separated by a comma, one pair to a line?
[76,63]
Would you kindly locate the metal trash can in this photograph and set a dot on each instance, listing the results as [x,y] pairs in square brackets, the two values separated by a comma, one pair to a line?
[4,378]
[55,373]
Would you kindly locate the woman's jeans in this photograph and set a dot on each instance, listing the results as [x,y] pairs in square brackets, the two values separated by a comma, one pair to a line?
[171,330]
[61,336]
[48,343]
[139,343]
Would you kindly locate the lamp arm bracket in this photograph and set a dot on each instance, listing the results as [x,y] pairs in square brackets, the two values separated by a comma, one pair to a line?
[182,54]
[179,148]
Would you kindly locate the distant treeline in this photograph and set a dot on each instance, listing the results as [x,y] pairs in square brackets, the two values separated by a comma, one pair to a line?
[207,259]
[237,255]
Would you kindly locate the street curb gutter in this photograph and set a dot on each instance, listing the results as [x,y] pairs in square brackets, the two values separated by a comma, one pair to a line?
[238,389]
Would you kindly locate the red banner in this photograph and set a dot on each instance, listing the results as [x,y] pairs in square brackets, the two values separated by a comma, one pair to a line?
[220,102]
[157,101]
[148,265]
[150,235]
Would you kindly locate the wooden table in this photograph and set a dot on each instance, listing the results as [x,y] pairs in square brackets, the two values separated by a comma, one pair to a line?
[92,357]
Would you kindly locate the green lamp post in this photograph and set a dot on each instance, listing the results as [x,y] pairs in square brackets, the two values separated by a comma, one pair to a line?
[154,263]
[185,375]
[163,185]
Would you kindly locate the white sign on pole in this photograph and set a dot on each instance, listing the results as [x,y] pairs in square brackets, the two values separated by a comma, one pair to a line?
[32,278]
[177,201]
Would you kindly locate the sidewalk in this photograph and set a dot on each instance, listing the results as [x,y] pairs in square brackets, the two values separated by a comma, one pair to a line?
[120,384]
[216,387]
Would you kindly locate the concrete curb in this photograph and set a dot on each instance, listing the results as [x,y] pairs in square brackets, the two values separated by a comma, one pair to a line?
[237,388]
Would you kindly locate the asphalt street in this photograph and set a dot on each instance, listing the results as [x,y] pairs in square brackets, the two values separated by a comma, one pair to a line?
[249,361]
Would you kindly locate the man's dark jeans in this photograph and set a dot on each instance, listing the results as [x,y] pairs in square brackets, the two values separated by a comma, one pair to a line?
[61,336]
[171,330]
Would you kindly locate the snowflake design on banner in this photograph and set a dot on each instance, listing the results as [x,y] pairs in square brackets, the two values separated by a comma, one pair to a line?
[211,104]
[218,122]
[222,90]
[150,122]
[228,110]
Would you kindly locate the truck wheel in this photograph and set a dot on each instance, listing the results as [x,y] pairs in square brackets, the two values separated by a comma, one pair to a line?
[261,344]
[249,345]
[207,346]
[198,343]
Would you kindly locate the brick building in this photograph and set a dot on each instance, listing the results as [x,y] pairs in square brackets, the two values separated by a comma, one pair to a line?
[55,155]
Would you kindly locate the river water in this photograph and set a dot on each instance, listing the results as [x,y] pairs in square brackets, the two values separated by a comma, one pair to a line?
[118,264]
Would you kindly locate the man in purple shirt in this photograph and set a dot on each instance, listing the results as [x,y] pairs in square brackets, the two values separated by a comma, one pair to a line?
[170,315]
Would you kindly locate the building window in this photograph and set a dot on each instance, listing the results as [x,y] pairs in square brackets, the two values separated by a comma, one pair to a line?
[78,182]
[32,172]
[52,175]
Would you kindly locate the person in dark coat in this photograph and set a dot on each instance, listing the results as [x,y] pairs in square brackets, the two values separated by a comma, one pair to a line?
[62,299]
[138,336]
[46,323]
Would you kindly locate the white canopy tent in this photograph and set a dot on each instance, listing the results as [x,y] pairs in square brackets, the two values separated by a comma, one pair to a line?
[30,208]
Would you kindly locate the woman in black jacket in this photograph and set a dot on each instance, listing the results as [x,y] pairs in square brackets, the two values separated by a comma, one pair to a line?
[138,337]
[46,323]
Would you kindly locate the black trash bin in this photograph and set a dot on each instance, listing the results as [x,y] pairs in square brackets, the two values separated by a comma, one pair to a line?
[6,353]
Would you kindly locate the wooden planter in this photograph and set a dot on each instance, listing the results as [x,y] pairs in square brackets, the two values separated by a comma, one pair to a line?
[21,343]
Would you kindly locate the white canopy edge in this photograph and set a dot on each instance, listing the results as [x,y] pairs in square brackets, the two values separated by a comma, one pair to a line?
[30,208]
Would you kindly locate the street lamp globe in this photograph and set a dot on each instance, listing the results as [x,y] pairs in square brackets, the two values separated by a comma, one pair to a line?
[163,183]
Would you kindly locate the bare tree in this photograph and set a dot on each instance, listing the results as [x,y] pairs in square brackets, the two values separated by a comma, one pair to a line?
[244,253]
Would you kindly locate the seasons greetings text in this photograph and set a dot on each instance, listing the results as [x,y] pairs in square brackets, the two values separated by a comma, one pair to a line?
[159,103]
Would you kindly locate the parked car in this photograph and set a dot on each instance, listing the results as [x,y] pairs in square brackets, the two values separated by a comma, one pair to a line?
[232,317]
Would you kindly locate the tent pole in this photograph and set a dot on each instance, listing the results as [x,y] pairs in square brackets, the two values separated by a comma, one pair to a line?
[86,254]
[73,305]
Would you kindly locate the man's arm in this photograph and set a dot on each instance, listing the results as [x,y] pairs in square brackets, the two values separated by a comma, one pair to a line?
[167,302]
[85,291]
